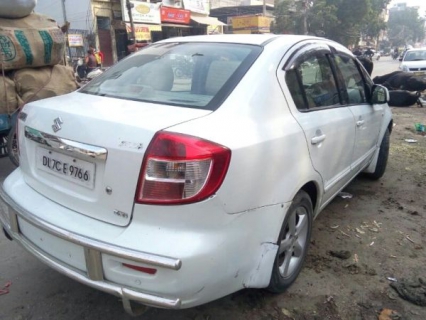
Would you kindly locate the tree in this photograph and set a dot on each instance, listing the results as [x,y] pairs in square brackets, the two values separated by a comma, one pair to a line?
[341,20]
[405,26]
[289,15]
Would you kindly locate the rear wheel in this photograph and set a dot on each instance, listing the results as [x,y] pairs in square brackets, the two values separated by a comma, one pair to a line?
[382,160]
[12,146]
[3,146]
[293,243]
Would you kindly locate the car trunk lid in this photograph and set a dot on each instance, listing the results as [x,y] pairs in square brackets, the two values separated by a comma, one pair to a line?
[85,152]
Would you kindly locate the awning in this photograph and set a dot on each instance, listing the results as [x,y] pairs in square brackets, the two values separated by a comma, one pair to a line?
[175,25]
[209,21]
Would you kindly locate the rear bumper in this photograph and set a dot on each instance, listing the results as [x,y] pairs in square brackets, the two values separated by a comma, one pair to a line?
[218,253]
[92,251]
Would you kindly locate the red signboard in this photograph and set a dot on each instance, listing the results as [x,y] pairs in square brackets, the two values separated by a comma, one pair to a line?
[175,15]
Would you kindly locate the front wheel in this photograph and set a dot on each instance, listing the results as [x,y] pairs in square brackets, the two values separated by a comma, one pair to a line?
[12,146]
[293,243]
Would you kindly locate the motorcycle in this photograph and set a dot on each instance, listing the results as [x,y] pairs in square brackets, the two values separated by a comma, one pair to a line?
[81,74]
[395,55]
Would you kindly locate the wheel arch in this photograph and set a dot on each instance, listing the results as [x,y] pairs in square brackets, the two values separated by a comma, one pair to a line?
[311,188]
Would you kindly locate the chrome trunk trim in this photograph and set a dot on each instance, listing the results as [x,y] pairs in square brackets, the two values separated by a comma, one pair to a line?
[70,147]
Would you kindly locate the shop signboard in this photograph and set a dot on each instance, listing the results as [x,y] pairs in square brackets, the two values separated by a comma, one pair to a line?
[142,12]
[175,15]
[251,23]
[198,6]
[75,40]
[142,32]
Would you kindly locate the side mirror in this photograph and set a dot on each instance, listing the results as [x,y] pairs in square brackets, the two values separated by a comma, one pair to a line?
[380,94]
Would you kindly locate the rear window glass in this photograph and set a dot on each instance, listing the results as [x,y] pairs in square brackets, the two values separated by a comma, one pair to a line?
[199,75]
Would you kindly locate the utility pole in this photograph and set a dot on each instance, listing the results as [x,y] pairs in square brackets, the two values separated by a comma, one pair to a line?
[264,8]
[304,13]
[64,12]
[129,7]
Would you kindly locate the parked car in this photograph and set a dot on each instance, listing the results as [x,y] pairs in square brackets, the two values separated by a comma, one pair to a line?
[174,193]
[414,61]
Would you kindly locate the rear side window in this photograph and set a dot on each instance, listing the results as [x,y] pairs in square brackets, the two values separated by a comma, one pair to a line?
[198,75]
[354,83]
[315,86]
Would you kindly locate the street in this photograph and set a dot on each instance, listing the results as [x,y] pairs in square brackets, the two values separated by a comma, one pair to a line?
[328,288]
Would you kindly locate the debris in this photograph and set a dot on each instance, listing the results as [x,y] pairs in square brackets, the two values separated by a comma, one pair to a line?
[334,227]
[392,256]
[409,239]
[392,295]
[371,243]
[392,279]
[359,231]
[357,236]
[345,195]
[388,314]
[420,127]
[355,258]
[345,234]
[377,224]
[5,289]
[341,254]
[346,206]
[412,290]
[374,230]
[286,313]
[411,140]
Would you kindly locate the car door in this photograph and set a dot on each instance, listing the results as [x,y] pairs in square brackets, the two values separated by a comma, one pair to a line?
[368,117]
[328,125]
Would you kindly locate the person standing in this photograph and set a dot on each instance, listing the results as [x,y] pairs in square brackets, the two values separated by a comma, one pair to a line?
[90,61]
[99,58]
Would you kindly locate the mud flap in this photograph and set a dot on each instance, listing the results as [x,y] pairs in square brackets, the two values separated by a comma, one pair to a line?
[372,166]
[261,274]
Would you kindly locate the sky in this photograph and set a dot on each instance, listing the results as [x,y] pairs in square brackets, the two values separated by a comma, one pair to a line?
[412,3]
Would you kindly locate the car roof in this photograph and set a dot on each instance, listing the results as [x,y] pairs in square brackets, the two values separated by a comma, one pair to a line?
[417,49]
[255,39]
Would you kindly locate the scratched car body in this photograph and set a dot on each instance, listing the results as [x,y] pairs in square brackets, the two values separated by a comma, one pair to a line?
[175,191]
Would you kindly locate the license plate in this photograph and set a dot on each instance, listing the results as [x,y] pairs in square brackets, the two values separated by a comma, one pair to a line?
[68,168]
[419,73]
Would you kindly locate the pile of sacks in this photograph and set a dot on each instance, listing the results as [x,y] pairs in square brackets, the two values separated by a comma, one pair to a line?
[32,48]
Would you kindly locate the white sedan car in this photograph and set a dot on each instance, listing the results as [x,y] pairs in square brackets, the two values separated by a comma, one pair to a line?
[174,191]
[414,61]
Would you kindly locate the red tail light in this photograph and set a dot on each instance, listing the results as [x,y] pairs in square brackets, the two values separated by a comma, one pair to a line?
[179,169]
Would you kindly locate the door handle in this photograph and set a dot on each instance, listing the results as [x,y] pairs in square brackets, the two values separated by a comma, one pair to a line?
[359,123]
[318,139]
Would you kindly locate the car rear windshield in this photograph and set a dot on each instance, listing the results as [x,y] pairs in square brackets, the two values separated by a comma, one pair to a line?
[196,75]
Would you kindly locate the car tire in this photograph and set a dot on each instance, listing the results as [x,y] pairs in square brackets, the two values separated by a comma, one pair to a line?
[293,243]
[382,160]
[12,146]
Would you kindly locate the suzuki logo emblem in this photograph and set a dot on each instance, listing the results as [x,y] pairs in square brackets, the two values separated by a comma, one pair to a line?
[57,124]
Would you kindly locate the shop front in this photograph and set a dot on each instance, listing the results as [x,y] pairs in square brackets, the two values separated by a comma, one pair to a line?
[206,24]
[175,22]
[146,21]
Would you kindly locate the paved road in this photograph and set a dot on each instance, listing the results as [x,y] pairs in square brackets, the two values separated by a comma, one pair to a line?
[384,65]
[39,293]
